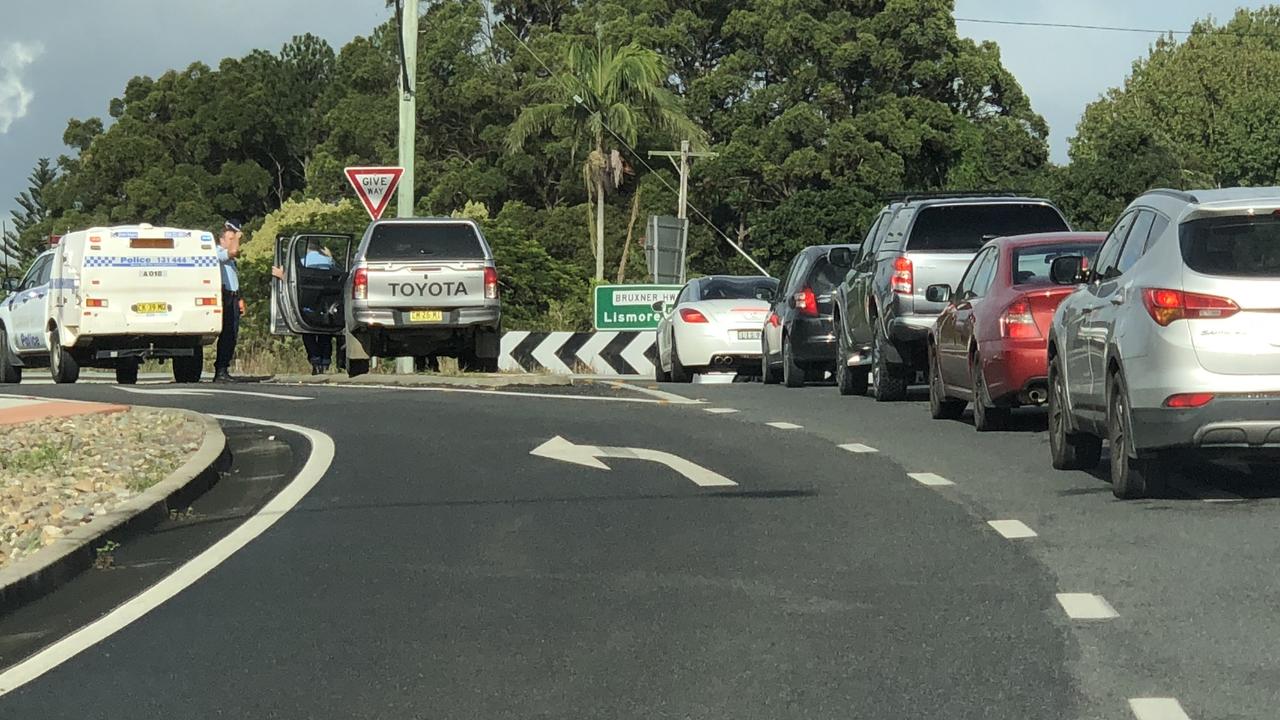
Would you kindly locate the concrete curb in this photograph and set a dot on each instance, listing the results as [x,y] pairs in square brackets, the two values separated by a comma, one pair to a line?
[75,552]
[473,381]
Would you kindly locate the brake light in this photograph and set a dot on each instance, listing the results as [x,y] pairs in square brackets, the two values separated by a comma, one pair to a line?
[690,315]
[807,302]
[360,284]
[1188,400]
[95,302]
[903,276]
[1018,322]
[490,284]
[1165,306]
[774,320]
[206,302]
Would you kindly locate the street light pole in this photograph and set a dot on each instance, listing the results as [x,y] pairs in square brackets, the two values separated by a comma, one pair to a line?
[408,126]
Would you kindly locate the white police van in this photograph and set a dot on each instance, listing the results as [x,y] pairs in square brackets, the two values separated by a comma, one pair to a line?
[111,298]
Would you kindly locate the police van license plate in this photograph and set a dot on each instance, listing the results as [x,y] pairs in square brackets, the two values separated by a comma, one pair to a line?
[748,334]
[151,308]
[426,315]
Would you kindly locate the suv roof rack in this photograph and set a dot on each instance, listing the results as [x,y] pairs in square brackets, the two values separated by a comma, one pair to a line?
[1179,194]
[906,197]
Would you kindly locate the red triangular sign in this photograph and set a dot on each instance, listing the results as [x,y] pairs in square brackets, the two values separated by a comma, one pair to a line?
[374,186]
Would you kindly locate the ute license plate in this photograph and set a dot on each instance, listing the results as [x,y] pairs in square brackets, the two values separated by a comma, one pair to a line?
[152,308]
[426,315]
[748,334]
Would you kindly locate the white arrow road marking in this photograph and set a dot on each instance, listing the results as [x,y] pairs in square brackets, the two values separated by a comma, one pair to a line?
[209,391]
[197,567]
[633,353]
[545,353]
[557,448]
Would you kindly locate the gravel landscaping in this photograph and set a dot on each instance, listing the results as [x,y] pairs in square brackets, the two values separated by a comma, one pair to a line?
[60,473]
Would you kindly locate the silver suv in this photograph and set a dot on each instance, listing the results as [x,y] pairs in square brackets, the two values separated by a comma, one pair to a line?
[1173,342]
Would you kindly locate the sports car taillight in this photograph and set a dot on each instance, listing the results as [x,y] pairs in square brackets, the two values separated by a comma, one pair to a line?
[690,315]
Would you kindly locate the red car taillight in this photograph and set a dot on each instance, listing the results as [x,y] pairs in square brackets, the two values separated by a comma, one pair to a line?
[690,315]
[1166,306]
[360,285]
[774,320]
[807,302]
[1188,400]
[490,284]
[1017,321]
[903,276]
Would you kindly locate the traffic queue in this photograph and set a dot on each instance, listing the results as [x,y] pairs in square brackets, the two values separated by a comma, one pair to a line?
[1160,337]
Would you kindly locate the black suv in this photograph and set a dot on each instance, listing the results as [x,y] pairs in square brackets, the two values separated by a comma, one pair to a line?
[798,335]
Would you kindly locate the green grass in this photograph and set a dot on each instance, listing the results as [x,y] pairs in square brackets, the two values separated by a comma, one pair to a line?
[44,456]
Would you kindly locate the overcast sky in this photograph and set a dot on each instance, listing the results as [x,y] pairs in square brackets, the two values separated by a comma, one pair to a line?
[68,59]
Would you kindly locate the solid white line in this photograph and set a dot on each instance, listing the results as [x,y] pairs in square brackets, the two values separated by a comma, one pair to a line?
[720,411]
[930,479]
[1012,529]
[86,637]
[858,448]
[784,425]
[654,393]
[1086,606]
[1157,709]
[196,390]
[509,393]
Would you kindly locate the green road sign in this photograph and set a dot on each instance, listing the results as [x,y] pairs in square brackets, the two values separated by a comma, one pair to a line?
[632,307]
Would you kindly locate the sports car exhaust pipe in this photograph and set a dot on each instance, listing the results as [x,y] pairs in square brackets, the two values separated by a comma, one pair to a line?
[722,360]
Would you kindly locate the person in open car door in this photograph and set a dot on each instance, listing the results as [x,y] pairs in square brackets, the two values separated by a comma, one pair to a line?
[319,346]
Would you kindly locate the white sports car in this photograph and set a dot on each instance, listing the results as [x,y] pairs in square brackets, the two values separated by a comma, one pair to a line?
[714,325]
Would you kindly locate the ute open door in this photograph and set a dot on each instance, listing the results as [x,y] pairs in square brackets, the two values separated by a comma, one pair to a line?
[311,298]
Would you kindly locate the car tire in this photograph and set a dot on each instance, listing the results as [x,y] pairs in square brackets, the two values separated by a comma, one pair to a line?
[187,370]
[793,376]
[769,375]
[888,384]
[1132,477]
[62,364]
[660,375]
[679,373]
[127,373]
[850,380]
[356,368]
[9,373]
[941,407]
[1069,451]
[986,416]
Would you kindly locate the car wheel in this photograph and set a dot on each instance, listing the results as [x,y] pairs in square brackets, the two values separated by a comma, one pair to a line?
[9,374]
[62,364]
[127,373]
[1070,451]
[187,370]
[887,382]
[941,407]
[1131,477]
[768,373]
[660,375]
[679,373]
[986,416]
[793,376]
[850,380]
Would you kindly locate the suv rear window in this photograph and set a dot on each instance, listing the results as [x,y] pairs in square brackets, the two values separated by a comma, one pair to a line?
[1237,246]
[966,228]
[440,241]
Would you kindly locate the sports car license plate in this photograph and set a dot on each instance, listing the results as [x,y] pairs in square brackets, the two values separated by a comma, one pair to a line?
[152,308]
[426,315]
[748,334]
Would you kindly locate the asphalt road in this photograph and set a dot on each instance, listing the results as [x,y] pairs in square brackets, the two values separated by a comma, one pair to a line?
[439,570]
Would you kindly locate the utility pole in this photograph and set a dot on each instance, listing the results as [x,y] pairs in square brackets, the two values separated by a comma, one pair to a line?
[408,125]
[682,209]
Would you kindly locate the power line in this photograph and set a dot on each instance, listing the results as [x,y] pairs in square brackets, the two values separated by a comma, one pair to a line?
[578,99]
[1110,28]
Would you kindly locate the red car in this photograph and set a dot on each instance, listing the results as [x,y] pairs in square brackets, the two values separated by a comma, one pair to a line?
[989,346]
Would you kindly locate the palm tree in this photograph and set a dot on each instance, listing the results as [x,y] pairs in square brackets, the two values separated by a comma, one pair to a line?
[611,92]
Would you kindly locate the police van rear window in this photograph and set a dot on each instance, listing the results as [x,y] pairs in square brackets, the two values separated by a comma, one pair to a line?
[438,241]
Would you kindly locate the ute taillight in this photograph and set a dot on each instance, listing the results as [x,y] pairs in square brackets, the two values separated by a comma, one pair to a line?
[690,315]
[360,284]
[1188,400]
[903,276]
[490,284]
[807,302]
[1166,306]
[1017,321]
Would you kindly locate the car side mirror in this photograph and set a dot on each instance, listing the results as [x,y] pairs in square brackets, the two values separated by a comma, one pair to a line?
[841,257]
[9,284]
[1068,270]
[938,293]
[660,306]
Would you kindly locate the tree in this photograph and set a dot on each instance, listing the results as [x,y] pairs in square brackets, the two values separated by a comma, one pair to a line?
[609,94]
[29,234]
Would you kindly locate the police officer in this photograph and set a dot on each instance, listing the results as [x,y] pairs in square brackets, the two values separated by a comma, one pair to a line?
[319,347]
[232,304]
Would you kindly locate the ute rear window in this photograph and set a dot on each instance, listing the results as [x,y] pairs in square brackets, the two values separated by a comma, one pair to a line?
[966,228]
[1233,246]
[437,241]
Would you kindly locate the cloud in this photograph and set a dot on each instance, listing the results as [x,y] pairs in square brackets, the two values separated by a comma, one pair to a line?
[15,96]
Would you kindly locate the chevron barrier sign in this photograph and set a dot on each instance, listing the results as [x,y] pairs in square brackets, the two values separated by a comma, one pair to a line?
[569,353]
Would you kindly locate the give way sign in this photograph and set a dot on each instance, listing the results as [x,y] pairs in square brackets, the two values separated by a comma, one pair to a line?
[374,186]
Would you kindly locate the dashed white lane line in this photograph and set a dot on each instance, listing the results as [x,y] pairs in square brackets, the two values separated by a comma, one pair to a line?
[1086,606]
[930,479]
[1012,529]
[1157,709]
[720,411]
[784,425]
[858,448]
